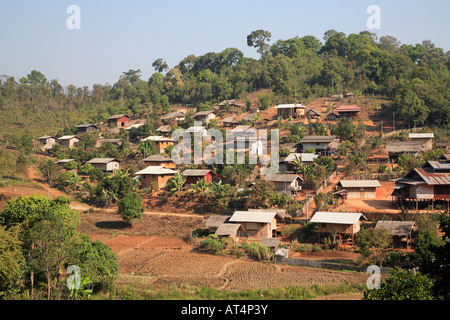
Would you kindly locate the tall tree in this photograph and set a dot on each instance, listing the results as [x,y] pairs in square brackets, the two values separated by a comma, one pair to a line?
[258,39]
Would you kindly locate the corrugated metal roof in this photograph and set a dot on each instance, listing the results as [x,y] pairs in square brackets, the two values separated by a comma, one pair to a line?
[157,158]
[117,116]
[434,178]
[64,161]
[304,157]
[173,114]
[360,183]
[280,212]
[196,172]
[347,108]
[102,160]
[421,135]
[439,166]
[227,229]
[68,137]
[404,146]
[152,170]
[290,106]
[282,177]
[253,216]
[396,228]
[309,139]
[337,217]
[165,128]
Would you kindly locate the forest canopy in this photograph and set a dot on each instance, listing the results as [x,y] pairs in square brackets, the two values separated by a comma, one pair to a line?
[415,78]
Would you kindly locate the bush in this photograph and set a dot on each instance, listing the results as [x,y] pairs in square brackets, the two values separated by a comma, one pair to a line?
[212,244]
[131,207]
[257,251]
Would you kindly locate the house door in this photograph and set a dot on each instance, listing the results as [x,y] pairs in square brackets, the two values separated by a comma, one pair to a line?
[362,194]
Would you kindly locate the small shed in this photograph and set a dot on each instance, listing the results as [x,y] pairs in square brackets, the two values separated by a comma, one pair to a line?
[205,116]
[350,111]
[69,141]
[294,111]
[285,183]
[231,230]
[174,116]
[401,231]
[105,164]
[47,142]
[230,122]
[359,189]
[85,128]
[164,130]
[344,225]
[119,120]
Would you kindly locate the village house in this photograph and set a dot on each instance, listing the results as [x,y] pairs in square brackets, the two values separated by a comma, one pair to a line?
[135,126]
[215,221]
[159,161]
[164,130]
[69,141]
[425,186]
[401,231]
[257,224]
[234,231]
[161,143]
[198,129]
[47,142]
[205,116]
[396,148]
[425,138]
[100,142]
[295,111]
[348,111]
[358,189]
[119,120]
[321,144]
[155,177]
[332,116]
[230,122]
[231,103]
[63,162]
[311,113]
[174,116]
[285,183]
[194,175]
[342,225]
[86,128]
[105,164]
[288,165]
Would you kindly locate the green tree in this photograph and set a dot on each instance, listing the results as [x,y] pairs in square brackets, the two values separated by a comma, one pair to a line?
[175,184]
[258,39]
[11,261]
[374,243]
[50,171]
[160,65]
[131,207]
[402,285]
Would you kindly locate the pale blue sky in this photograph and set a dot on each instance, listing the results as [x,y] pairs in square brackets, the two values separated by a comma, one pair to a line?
[116,36]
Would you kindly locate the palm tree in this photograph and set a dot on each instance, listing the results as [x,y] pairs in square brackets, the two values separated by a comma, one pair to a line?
[175,184]
[201,188]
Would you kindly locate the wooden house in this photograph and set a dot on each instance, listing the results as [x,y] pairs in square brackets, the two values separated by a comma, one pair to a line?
[161,143]
[205,116]
[425,186]
[313,114]
[321,144]
[165,130]
[396,148]
[233,231]
[174,117]
[100,142]
[69,141]
[285,183]
[47,142]
[348,111]
[288,165]
[193,175]
[105,164]
[119,120]
[294,111]
[426,139]
[442,144]
[359,189]
[160,161]
[85,128]
[343,225]
[155,177]
[401,231]
[257,225]
[230,122]
[332,116]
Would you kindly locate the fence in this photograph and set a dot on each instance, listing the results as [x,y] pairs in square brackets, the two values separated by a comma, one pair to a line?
[325,265]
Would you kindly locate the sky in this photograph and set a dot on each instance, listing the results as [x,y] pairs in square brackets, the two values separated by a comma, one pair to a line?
[116,36]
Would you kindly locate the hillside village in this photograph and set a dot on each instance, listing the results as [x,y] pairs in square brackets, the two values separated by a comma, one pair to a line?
[316,172]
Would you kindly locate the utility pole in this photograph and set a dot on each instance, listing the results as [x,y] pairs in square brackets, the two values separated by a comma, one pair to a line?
[393,120]
[306,199]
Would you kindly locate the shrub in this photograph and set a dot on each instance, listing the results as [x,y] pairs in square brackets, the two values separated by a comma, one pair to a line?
[211,244]
[257,251]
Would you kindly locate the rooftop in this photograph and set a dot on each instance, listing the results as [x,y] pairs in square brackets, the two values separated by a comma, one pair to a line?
[226,229]
[253,216]
[304,157]
[102,160]
[309,139]
[360,183]
[337,217]
[396,228]
[348,108]
[421,135]
[282,177]
[117,116]
[216,220]
[290,106]
[153,170]
[157,158]
[196,172]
